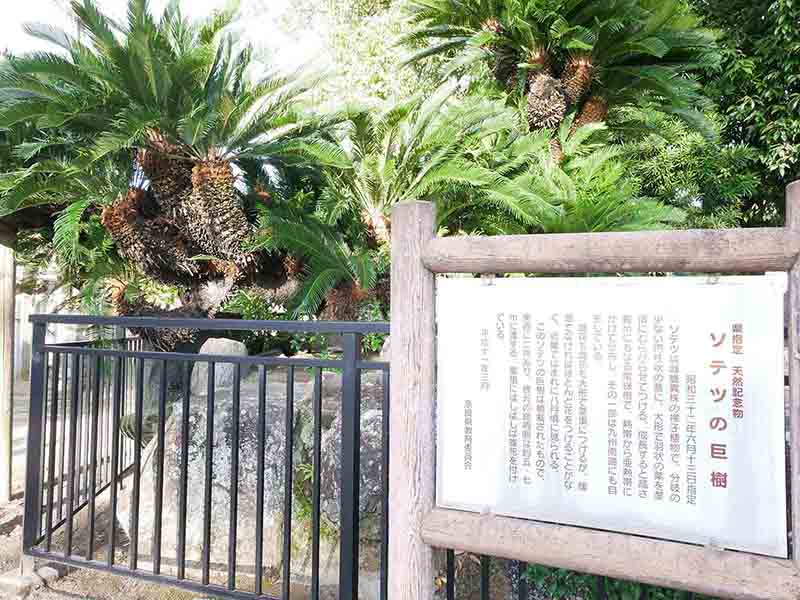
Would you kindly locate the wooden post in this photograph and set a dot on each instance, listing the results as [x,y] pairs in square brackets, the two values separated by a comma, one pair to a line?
[793,225]
[7,293]
[412,443]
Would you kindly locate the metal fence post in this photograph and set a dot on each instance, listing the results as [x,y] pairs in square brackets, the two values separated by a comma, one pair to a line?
[351,467]
[30,525]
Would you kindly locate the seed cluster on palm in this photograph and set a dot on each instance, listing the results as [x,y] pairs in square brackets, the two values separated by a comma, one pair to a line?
[547,102]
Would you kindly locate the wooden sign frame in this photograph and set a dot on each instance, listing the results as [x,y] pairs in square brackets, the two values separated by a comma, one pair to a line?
[416,526]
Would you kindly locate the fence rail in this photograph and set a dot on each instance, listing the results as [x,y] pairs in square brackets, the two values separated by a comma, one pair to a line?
[107,416]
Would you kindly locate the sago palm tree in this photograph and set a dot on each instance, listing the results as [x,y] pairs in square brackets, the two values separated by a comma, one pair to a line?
[415,150]
[587,190]
[177,140]
[580,56]
[334,274]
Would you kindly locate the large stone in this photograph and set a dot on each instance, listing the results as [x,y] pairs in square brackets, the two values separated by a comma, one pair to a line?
[223,372]
[221,449]
[274,462]
[371,483]
[175,380]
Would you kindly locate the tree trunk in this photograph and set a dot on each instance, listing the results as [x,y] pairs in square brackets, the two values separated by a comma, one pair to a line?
[556,151]
[378,226]
[577,77]
[594,110]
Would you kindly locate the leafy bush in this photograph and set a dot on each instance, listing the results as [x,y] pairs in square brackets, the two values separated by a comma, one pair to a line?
[561,584]
[587,190]
[710,180]
[758,92]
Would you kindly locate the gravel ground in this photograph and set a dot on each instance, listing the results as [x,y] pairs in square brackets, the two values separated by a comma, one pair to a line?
[76,583]
[103,586]
[10,534]
[11,512]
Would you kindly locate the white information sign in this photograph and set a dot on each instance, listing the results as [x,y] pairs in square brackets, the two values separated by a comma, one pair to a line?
[650,406]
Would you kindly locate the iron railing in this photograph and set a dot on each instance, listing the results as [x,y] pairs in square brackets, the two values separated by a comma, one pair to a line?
[87,439]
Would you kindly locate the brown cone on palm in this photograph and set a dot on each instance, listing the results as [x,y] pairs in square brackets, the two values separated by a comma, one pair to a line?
[556,151]
[159,142]
[216,218]
[547,98]
[492,25]
[155,245]
[539,61]
[577,77]
[547,102]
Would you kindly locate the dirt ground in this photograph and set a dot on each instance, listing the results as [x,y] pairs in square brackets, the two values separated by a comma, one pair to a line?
[11,512]
[75,583]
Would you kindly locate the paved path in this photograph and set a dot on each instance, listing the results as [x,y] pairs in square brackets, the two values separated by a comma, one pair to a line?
[22,391]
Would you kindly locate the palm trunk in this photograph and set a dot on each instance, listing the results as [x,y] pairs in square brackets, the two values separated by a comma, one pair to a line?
[217,220]
[153,244]
[556,151]
[343,302]
[577,77]
[594,110]
[378,226]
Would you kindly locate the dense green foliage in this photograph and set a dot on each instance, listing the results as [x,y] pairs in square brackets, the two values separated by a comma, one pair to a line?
[317,188]
[712,182]
[560,584]
[757,89]
[154,140]
[416,150]
[586,190]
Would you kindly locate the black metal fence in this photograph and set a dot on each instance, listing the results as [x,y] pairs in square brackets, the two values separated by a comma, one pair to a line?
[125,461]
[95,450]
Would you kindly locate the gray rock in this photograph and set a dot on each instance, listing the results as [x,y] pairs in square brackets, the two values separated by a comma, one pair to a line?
[223,372]
[221,448]
[274,463]
[152,388]
[371,486]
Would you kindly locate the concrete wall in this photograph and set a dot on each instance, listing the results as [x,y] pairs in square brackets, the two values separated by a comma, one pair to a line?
[50,301]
